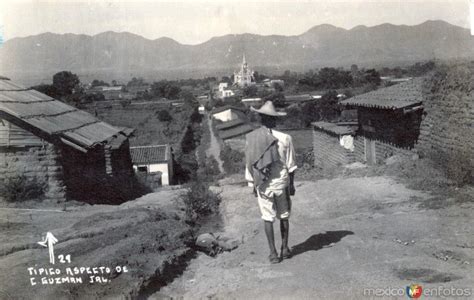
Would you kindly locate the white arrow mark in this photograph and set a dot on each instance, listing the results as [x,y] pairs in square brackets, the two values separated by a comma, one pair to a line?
[49,242]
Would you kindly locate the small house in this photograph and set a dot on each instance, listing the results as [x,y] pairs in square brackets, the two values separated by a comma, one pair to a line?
[389,119]
[248,102]
[154,162]
[334,144]
[72,154]
[273,82]
[234,128]
[233,133]
[227,113]
[201,109]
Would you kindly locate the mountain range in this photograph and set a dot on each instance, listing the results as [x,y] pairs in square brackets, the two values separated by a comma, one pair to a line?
[124,54]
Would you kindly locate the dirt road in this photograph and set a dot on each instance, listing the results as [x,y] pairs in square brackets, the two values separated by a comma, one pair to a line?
[347,235]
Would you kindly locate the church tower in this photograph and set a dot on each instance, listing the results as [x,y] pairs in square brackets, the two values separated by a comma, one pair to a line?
[244,77]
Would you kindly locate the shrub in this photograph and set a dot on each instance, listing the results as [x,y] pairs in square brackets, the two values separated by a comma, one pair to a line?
[164,116]
[20,188]
[200,201]
[124,103]
[232,160]
[209,169]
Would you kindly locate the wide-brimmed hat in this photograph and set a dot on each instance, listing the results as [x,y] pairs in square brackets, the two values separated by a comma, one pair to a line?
[268,109]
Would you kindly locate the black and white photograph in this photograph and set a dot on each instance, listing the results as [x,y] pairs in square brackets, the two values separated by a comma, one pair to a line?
[218,149]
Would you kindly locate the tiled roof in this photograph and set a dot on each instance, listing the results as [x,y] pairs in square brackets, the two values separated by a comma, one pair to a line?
[230,124]
[335,128]
[48,117]
[235,131]
[150,154]
[393,97]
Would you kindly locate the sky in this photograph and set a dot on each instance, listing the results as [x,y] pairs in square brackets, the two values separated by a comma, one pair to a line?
[194,22]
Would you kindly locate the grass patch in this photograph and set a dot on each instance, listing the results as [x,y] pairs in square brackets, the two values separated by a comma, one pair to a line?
[20,188]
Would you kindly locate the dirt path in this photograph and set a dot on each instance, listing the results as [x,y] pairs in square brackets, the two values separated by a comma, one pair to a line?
[214,147]
[347,235]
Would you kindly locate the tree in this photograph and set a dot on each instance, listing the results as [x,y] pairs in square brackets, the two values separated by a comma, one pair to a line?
[47,89]
[372,77]
[164,116]
[96,82]
[258,77]
[278,87]
[125,102]
[95,97]
[136,82]
[189,99]
[250,91]
[277,98]
[229,80]
[65,82]
[165,89]
[329,106]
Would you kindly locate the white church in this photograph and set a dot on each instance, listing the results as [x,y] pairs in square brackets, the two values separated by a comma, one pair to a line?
[244,77]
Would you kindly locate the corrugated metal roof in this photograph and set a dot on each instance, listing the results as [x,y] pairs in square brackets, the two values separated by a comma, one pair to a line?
[235,131]
[335,128]
[53,117]
[393,97]
[149,154]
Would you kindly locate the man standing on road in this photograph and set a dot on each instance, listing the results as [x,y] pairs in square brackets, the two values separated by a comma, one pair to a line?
[270,167]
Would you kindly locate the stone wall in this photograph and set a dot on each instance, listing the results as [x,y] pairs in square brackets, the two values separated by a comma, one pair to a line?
[41,163]
[446,134]
[328,153]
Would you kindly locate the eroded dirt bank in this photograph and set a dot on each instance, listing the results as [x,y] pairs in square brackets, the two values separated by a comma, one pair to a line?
[146,236]
[347,234]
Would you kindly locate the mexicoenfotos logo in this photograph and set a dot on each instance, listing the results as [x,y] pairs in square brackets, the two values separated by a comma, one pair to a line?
[414,291]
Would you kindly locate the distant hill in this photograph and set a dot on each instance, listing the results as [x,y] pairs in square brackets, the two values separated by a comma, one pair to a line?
[125,54]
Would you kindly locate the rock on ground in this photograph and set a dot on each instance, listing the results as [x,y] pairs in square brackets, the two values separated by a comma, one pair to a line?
[347,234]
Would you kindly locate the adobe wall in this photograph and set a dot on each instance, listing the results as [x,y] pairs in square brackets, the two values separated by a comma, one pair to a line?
[38,162]
[446,133]
[90,178]
[359,154]
[328,153]
[384,150]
